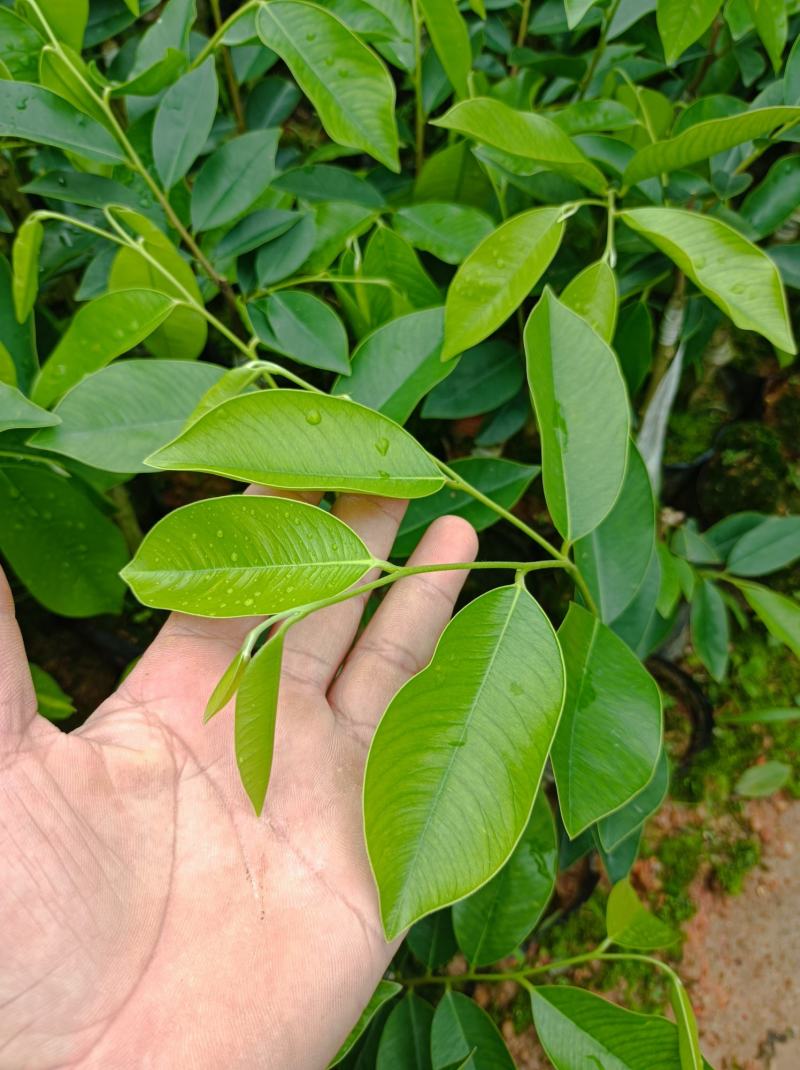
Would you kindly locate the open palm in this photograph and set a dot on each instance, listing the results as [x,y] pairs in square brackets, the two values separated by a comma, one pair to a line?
[147,917]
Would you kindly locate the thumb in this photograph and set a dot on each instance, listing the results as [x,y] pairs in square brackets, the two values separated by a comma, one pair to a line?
[17,696]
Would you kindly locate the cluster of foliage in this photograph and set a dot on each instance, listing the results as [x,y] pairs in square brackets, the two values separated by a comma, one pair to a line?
[421,213]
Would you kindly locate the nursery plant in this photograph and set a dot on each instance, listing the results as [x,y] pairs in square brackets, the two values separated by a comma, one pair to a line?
[333,242]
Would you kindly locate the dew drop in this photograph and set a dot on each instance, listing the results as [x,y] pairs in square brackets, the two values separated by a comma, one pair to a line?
[220,534]
[738,288]
[382,446]
[61,180]
[311,37]
[515,688]
[22,104]
[313,417]
[234,556]
[248,601]
[382,474]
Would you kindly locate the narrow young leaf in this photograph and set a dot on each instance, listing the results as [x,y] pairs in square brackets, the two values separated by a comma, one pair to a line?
[353,94]
[240,555]
[65,73]
[255,717]
[67,19]
[314,442]
[772,26]
[233,177]
[710,632]
[450,39]
[226,686]
[89,344]
[735,274]
[609,738]
[183,122]
[582,408]
[688,1034]
[498,275]
[461,748]
[593,295]
[680,23]
[492,922]
[460,1028]
[36,114]
[25,262]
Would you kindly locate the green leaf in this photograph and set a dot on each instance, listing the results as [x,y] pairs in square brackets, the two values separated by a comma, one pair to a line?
[67,19]
[254,722]
[301,326]
[735,274]
[771,204]
[609,738]
[710,632]
[498,275]
[396,365]
[406,1039]
[322,182]
[153,79]
[20,45]
[17,412]
[233,177]
[771,545]
[18,339]
[492,922]
[183,334]
[688,1034]
[65,551]
[257,228]
[575,10]
[583,414]
[315,442]
[704,140]
[283,254]
[615,556]
[617,827]
[25,261]
[447,231]
[771,715]
[114,418]
[633,344]
[337,223]
[503,481]
[350,88]
[35,114]
[432,940]
[90,342]
[460,1027]
[630,924]
[780,615]
[94,191]
[770,18]
[235,556]
[761,780]
[385,991]
[183,122]
[490,701]
[525,134]
[487,376]
[724,535]
[65,73]
[450,39]
[51,700]
[680,24]
[578,1029]
[389,256]
[593,295]
[227,685]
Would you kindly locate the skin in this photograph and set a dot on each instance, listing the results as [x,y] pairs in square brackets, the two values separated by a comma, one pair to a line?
[147,917]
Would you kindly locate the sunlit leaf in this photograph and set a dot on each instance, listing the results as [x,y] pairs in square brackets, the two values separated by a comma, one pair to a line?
[593,295]
[630,924]
[255,717]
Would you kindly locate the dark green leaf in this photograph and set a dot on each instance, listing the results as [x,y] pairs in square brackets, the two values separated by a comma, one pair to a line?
[487,376]
[460,1030]
[616,828]
[710,632]
[183,122]
[35,114]
[432,939]
[766,547]
[448,231]
[406,1039]
[233,177]
[385,991]
[301,326]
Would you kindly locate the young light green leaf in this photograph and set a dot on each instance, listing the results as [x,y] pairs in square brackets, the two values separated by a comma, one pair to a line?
[116,417]
[779,614]
[67,19]
[233,177]
[64,72]
[16,411]
[315,442]
[615,556]
[582,408]
[36,114]
[503,481]
[575,10]
[492,922]
[450,39]
[764,779]
[235,556]
[390,257]
[354,95]
[489,700]
[579,1029]
[498,275]
[710,631]
[525,134]
[691,1058]
[227,685]
[460,1028]
[25,262]
[182,336]
[90,343]
[70,562]
[609,738]
[680,23]
[18,356]
[51,699]
[183,122]
[447,231]
[703,140]
[255,717]
[406,1039]
[301,326]
[398,364]
[593,295]
[630,924]
[385,991]
[735,274]
[770,18]
[487,376]
[767,547]
[151,80]
[617,827]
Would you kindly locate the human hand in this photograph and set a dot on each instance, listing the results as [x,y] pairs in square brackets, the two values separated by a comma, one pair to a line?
[147,918]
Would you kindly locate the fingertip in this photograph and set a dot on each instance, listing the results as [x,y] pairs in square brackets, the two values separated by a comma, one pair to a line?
[451,538]
[6,597]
